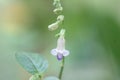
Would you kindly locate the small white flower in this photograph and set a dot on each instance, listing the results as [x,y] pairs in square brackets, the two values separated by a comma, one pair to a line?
[60,50]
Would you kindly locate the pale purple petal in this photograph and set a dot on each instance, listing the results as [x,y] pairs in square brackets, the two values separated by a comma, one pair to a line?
[54,52]
[59,56]
[61,43]
[66,53]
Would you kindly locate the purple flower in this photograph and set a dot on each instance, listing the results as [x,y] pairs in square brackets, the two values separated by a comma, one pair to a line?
[60,50]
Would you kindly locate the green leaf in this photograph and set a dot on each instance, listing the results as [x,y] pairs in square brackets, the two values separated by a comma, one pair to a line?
[34,77]
[51,78]
[32,62]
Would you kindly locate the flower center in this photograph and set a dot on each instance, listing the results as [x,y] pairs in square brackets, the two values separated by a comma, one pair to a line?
[59,56]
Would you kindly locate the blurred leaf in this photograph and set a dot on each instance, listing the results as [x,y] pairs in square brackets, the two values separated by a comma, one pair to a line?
[34,77]
[33,63]
[51,78]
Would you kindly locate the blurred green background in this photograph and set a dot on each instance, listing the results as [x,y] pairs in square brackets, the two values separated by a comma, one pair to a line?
[92,36]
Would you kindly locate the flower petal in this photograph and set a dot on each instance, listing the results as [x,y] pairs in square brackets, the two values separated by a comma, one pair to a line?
[54,52]
[59,56]
[66,53]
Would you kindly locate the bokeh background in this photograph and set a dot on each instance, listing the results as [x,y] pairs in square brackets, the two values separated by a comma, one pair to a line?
[92,36]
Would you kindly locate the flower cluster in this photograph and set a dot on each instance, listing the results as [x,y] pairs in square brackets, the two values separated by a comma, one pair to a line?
[60,50]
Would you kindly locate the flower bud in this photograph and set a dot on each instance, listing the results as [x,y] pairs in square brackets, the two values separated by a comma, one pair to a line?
[53,26]
[56,2]
[58,10]
[60,18]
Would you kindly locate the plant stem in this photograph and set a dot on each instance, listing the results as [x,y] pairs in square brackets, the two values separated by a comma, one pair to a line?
[62,68]
[40,77]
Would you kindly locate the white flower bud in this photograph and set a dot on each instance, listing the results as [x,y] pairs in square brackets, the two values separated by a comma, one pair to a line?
[53,26]
[58,10]
[56,2]
[60,18]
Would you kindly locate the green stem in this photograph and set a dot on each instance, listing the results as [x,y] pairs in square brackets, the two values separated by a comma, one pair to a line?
[62,68]
[40,77]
